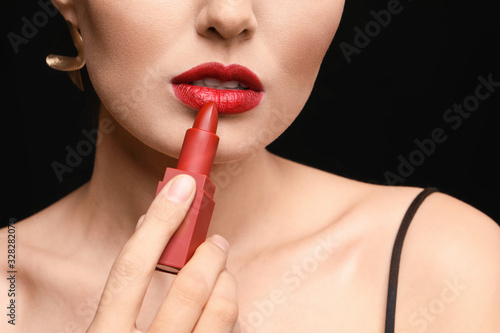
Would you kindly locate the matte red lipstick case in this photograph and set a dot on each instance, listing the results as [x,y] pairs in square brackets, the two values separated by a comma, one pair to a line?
[196,159]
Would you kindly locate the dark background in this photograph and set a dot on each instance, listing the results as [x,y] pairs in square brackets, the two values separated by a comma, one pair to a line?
[361,116]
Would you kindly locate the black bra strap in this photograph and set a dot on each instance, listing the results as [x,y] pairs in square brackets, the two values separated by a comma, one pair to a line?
[396,256]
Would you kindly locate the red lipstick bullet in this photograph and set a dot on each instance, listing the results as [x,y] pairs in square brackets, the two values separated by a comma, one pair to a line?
[196,159]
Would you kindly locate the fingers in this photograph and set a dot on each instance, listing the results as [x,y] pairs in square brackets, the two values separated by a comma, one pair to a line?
[221,312]
[132,270]
[192,288]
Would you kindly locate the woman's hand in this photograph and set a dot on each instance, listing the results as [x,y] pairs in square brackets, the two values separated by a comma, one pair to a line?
[202,297]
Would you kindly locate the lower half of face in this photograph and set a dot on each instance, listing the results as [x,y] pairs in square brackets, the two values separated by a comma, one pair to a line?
[136,50]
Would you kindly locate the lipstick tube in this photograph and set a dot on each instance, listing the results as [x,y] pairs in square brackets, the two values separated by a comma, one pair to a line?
[196,159]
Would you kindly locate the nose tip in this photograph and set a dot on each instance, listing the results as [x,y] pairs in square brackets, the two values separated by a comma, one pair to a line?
[227,19]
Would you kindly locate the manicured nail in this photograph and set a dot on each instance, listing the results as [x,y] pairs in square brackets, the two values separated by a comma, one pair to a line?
[220,242]
[181,188]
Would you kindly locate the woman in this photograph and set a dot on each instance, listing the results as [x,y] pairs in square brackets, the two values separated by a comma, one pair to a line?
[309,251]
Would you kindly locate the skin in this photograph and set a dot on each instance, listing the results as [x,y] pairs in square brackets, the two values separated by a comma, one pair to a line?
[314,260]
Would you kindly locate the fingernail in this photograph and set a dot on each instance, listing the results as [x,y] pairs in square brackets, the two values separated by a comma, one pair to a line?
[220,242]
[181,188]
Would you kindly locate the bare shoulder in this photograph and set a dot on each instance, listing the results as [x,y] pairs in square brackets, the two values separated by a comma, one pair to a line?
[457,234]
[40,268]
[16,286]
[28,252]
[450,270]
[449,276]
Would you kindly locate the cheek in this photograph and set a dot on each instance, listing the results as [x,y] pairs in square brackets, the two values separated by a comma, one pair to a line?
[305,35]
[122,41]
[125,42]
[107,34]
[297,43]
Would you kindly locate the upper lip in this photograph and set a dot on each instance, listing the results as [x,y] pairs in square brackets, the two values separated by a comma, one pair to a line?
[220,72]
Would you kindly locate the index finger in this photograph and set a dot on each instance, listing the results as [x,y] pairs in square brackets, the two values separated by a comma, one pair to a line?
[131,273]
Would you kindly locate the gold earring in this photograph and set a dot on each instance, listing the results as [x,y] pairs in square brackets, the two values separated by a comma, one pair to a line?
[72,65]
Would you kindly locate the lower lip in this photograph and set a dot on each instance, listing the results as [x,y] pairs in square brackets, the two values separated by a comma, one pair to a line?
[229,101]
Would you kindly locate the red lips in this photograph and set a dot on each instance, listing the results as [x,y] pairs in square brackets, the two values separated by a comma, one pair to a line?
[229,101]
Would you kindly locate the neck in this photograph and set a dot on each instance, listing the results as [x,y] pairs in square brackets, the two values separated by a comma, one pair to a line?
[126,174]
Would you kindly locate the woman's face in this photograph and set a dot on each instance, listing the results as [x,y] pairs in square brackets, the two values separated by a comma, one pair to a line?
[134,49]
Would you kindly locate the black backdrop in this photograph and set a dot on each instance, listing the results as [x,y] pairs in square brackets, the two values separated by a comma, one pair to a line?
[385,85]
